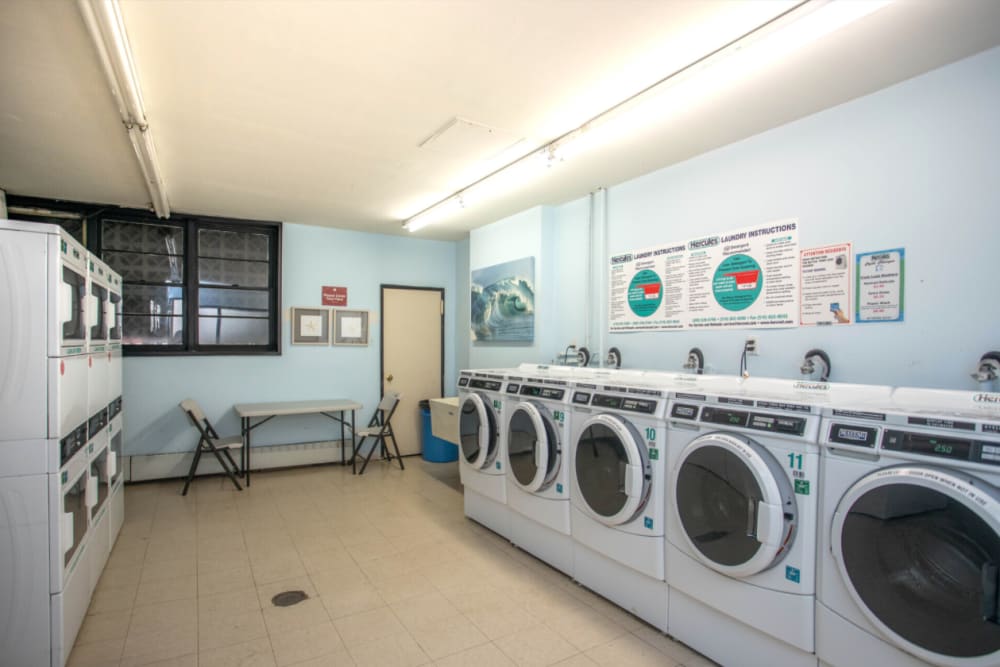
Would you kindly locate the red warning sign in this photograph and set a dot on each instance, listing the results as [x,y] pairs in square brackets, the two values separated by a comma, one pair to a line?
[334,296]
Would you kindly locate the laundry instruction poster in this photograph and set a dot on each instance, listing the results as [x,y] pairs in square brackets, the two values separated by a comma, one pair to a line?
[826,285]
[742,278]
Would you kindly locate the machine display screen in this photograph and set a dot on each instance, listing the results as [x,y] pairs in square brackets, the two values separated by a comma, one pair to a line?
[513,388]
[542,392]
[726,417]
[605,401]
[778,424]
[851,434]
[490,385]
[639,405]
[581,397]
[930,445]
[684,411]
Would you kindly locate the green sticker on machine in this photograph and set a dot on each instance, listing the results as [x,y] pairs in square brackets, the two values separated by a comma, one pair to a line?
[802,487]
[654,453]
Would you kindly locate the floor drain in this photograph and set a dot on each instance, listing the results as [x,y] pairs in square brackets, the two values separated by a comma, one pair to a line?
[288,598]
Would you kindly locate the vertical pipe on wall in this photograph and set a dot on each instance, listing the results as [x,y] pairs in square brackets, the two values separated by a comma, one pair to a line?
[590,271]
[597,315]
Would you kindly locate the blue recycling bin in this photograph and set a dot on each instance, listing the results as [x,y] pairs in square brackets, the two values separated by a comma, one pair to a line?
[436,450]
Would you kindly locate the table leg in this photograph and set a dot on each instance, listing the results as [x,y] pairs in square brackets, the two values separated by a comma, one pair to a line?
[247,470]
[354,442]
[343,441]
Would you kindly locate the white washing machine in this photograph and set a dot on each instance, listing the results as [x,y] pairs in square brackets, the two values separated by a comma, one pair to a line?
[743,470]
[616,471]
[482,464]
[910,532]
[536,441]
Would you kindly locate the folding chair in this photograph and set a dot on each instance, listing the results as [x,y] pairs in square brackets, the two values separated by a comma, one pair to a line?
[211,442]
[379,429]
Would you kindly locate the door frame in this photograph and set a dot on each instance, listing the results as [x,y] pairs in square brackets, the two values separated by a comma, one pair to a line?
[381,343]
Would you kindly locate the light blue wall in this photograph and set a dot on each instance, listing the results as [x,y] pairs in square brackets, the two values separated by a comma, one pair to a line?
[312,257]
[915,165]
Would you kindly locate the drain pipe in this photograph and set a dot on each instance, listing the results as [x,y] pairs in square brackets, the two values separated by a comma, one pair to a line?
[590,271]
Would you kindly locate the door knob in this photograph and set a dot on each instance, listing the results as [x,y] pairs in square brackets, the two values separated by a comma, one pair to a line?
[388,378]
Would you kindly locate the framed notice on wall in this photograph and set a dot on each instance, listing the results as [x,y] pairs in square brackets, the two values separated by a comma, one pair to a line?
[350,327]
[310,326]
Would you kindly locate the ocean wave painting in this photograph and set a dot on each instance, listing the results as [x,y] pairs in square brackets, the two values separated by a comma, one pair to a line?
[503,302]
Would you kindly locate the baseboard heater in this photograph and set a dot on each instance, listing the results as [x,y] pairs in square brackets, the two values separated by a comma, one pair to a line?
[147,467]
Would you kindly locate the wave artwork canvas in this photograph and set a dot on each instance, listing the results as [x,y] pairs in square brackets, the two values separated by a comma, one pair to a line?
[503,302]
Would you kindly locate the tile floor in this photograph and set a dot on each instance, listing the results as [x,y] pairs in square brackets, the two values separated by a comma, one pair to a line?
[395,574]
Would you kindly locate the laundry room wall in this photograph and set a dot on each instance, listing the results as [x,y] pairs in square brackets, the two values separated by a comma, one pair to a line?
[914,165]
[312,257]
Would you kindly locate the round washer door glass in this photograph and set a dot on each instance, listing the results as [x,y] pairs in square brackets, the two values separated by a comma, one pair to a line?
[477,431]
[532,446]
[611,469]
[735,505]
[919,548]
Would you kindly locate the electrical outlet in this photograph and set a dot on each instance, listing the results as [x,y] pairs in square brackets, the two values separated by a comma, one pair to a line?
[751,347]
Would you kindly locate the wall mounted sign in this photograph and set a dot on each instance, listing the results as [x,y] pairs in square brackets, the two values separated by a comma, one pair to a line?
[879,286]
[503,302]
[743,278]
[826,285]
[334,296]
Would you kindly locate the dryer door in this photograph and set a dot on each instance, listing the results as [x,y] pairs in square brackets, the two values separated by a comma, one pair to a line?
[532,446]
[735,504]
[612,469]
[919,550]
[477,431]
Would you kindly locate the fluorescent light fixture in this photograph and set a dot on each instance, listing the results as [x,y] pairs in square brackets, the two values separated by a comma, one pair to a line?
[804,23]
[107,31]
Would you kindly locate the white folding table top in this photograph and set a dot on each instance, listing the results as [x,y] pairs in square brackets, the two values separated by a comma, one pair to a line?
[295,407]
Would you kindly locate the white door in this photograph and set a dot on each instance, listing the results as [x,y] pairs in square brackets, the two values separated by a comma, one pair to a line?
[412,361]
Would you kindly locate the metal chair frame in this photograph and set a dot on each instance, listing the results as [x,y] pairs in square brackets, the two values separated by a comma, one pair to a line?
[210,441]
[380,430]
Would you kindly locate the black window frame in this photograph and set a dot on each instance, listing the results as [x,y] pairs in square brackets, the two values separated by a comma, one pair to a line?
[93,216]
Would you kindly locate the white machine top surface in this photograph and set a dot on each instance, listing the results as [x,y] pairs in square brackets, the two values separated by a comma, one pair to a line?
[833,394]
[946,402]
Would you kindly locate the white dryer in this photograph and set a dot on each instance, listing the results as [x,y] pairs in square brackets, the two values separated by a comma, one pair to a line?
[616,470]
[741,518]
[536,441]
[482,464]
[910,532]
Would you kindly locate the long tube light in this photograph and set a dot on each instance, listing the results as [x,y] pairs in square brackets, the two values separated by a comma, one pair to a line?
[107,31]
[806,22]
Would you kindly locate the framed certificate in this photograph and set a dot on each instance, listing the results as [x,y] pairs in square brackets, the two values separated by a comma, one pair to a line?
[350,327]
[310,326]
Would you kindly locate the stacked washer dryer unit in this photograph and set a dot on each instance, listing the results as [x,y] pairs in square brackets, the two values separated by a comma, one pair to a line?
[50,444]
[616,460]
[483,462]
[744,469]
[910,532]
[536,441]
[116,477]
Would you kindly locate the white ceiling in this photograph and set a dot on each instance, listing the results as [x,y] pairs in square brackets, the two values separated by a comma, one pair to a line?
[315,112]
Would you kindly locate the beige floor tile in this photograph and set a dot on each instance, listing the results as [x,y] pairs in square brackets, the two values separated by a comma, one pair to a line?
[231,602]
[368,626]
[578,660]
[298,644]
[339,658]
[348,598]
[328,560]
[404,587]
[629,651]
[423,609]
[447,636]
[228,629]
[165,590]
[301,615]
[585,628]
[162,643]
[367,551]
[176,613]
[113,599]
[97,654]
[165,548]
[484,655]
[396,651]
[210,583]
[104,627]
[120,577]
[256,653]
[223,562]
[499,620]
[127,556]
[538,646]
[269,569]
[189,660]
[169,569]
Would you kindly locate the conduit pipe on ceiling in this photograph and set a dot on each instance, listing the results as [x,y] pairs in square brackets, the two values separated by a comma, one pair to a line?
[104,22]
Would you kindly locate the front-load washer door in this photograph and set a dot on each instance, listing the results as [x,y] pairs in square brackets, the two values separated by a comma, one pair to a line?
[612,469]
[735,504]
[918,548]
[477,431]
[533,448]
